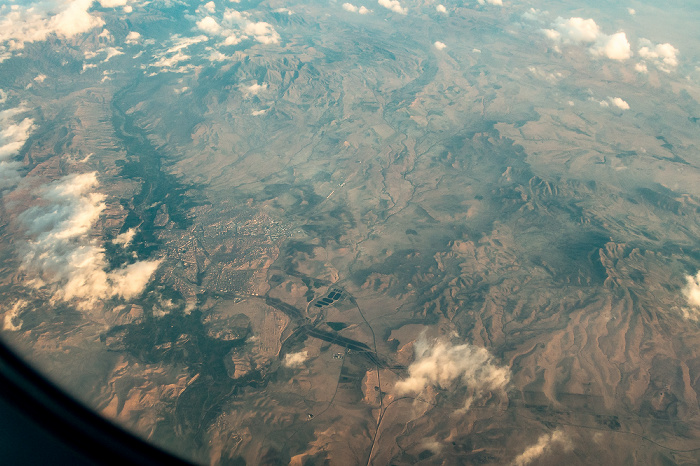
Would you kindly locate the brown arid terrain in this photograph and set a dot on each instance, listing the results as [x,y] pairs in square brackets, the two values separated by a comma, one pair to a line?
[312,233]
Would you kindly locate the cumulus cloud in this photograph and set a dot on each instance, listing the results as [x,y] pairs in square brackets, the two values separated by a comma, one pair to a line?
[254,89]
[125,239]
[393,5]
[210,7]
[543,446]
[62,258]
[215,56]
[13,136]
[11,321]
[663,56]
[295,359]
[615,47]
[235,26]
[133,38]
[441,364]
[106,36]
[533,14]
[32,24]
[491,2]
[209,25]
[262,32]
[587,32]
[439,45]
[441,8]
[614,101]
[354,9]
[619,103]
[576,30]
[112,3]
[691,291]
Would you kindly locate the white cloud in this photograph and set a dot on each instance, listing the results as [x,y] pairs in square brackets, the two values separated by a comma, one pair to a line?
[543,446]
[262,32]
[133,38]
[111,53]
[231,16]
[215,56]
[173,56]
[441,8]
[641,67]
[439,45]
[209,25]
[441,364]
[125,239]
[112,3]
[105,34]
[615,47]
[31,24]
[232,39]
[13,136]
[631,11]
[552,34]
[40,78]
[62,258]
[619,103]
[11,321]
[210,7]
[171,61]
[663,56]
[254,89]
[587,32]
[180,43]
[232,21]
[533,14]
[691,291]
[393,5]
[491,2]
[578,29]
[354,9]
[295,359]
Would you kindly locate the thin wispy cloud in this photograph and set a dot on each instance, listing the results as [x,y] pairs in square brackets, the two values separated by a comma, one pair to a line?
[295,359]
[545,444]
